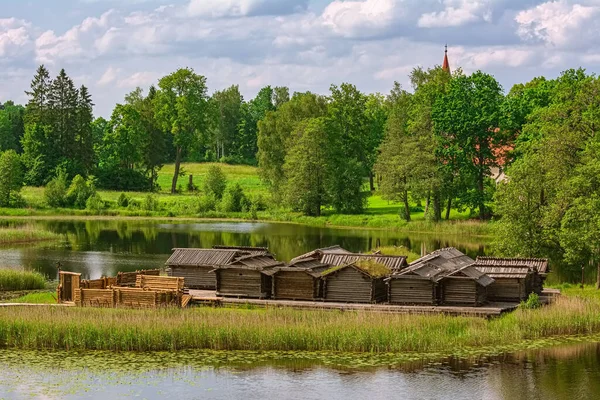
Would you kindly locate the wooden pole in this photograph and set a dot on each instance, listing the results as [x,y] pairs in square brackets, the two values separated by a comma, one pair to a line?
[598,278]
[582,276]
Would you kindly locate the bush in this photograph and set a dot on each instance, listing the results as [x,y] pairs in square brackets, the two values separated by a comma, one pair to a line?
[20,280]
[151,203]
[235,200]
[123,200]
[11,176]
[215,182]
[207,203]
[533,302]
[80,191]
[56,190]
[123,179]
[95,203]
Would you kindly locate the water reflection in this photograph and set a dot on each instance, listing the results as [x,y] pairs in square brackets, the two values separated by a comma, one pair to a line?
[98,247]
[566,372]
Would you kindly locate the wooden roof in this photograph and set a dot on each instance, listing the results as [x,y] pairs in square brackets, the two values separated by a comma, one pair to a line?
[203,257]
[253,262]
[472,273]
[493,271]
[538,264]
[315,272]
[394,263]
[318,253]
[246,249]
[436,265]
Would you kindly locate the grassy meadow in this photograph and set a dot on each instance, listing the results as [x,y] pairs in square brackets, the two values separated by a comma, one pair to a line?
[283,329]
[380,213]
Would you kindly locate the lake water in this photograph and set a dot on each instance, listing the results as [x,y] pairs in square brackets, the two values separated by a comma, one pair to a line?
[564,372]
[101,247]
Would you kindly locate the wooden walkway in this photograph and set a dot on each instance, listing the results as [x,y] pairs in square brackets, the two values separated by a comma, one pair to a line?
[490,309]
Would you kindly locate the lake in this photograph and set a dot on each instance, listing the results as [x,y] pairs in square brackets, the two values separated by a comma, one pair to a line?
[104,247]
[562,372]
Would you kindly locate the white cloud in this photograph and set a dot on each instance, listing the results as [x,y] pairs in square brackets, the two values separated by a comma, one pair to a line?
[110,75]
[561,24]
[242,8]
[457,13]
[141,79]
[353,18]
[15,37]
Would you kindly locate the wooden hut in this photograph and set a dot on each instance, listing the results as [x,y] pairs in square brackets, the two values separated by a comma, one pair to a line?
[466,286]
[361,281]
[512,284]
[393,263]
[68,286]
[419,283]
[300,280]
[538,267]
[195,265]
[246,276]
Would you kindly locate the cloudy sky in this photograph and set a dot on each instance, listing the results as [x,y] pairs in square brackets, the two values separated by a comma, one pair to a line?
[112,46]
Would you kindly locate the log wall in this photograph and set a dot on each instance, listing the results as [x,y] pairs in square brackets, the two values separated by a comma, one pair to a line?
[243,283]
[462,292]
[348,286]
[508,289]
[412,291]
[288,285]
[195,277]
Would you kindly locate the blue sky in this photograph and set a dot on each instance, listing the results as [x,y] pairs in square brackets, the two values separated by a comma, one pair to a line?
[112,46]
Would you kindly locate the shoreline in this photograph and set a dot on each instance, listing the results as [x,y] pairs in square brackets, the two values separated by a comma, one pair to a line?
[158,219]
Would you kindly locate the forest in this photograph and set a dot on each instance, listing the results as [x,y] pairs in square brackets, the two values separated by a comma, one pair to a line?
[528,159]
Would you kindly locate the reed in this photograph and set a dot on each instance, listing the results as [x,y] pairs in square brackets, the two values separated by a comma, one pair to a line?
[25,234]
[287,329]
[12,280]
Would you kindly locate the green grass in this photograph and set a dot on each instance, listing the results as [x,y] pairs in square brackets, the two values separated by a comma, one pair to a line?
[11,280]
[379,214]
[282,329]
[36,298]
[25,234]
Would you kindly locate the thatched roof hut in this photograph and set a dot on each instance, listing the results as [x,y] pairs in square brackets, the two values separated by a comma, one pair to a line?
[361,281]
[246,276]
[195,265]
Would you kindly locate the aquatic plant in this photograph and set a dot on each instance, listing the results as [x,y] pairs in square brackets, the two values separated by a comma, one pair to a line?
[11,280]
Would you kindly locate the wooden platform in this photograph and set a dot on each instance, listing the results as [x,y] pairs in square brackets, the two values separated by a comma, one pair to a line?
[489,310]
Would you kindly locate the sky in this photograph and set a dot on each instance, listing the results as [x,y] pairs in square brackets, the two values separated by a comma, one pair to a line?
[113,46]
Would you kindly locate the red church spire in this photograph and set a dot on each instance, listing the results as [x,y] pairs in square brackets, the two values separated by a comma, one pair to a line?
[446,64]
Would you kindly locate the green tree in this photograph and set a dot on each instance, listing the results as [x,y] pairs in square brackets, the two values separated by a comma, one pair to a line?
[377,115]
[181,108]
[55,192]
[226,106]
[11,176]
[307,168]
[12,127]
[466,120]
[215,182]
[275,135]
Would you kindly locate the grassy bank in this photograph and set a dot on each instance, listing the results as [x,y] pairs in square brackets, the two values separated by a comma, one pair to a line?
[379,214]
[11,280]
[25,234]
[577,313]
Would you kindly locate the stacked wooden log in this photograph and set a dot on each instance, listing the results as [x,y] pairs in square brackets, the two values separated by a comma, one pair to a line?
[129,278]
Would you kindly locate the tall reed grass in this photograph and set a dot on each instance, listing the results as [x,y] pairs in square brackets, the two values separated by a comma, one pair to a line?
[11,280]
[287,329]
[25,234]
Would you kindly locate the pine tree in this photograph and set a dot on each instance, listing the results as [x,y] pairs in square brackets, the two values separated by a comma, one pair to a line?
[84,140]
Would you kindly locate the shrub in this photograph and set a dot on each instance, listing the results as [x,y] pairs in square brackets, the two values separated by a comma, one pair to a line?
[21,280]
[235,200]
[533,302]
[151,203]
[123,200]
[95,203]
[56,190]
[215,182]
[207,203]
[80,191]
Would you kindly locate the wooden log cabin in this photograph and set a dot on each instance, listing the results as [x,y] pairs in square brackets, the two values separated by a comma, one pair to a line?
[300,280]
[246,276]
[418,284]
[195,265]
[538,266]
[361,281]
[466,286]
